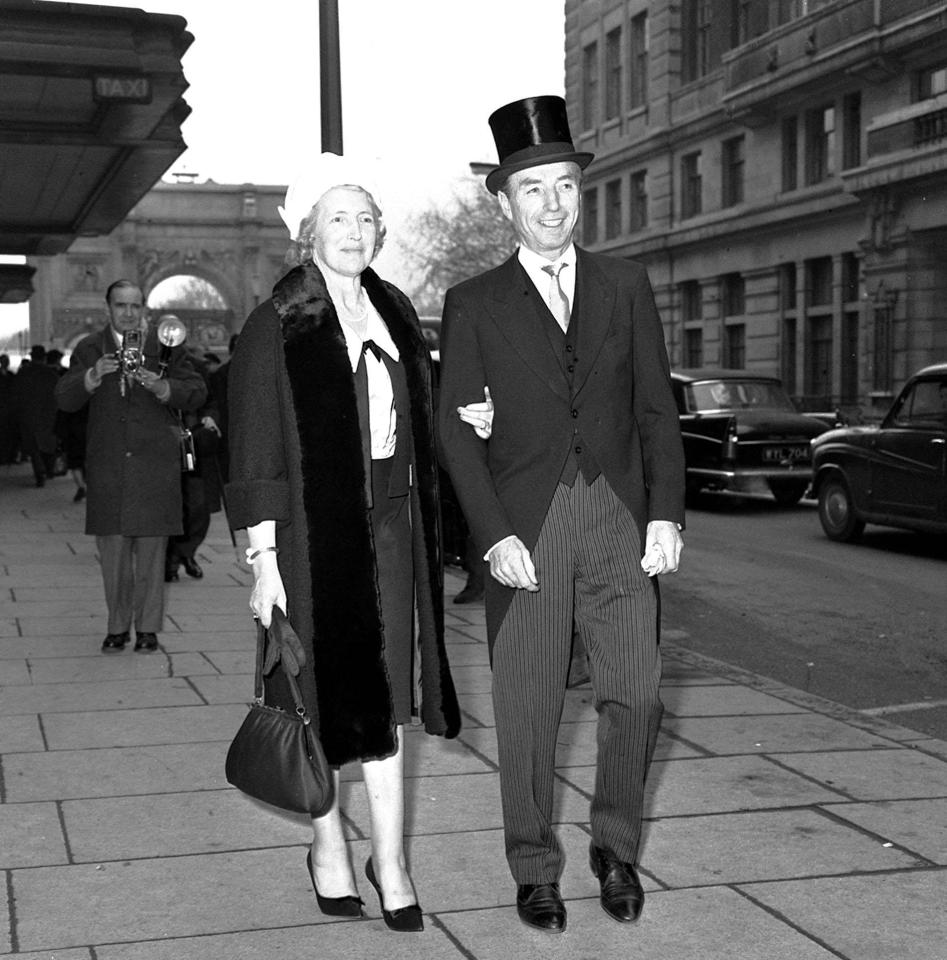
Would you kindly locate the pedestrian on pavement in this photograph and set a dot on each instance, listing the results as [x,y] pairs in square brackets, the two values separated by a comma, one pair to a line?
[333,473]
[200,486]
[35,402]
[70,430]
[133,458]
[573,483]
[9,432]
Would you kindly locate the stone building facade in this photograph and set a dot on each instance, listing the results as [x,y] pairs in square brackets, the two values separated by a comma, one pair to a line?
[781,167]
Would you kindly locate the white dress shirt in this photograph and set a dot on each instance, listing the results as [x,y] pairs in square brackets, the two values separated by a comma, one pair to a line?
[381,399]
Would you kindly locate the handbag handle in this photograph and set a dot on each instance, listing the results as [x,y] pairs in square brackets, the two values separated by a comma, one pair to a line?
[286,649]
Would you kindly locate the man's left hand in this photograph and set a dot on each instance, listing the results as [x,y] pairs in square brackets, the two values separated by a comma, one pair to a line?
[663,545]
[153,383]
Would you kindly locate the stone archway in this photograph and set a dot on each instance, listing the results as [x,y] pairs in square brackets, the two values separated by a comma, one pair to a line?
[230,235]
[209,319]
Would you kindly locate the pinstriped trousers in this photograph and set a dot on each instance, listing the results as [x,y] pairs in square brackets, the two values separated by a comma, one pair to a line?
[587,562]
[133,575]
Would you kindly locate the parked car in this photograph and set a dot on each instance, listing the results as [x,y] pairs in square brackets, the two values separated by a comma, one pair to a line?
[893,474]
[740,427]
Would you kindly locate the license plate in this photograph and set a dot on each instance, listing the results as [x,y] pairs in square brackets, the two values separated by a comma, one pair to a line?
[780,454]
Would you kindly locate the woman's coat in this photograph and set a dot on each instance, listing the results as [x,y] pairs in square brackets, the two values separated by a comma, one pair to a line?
[296,457]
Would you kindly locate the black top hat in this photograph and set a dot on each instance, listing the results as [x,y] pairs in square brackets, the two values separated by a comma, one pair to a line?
[529,133]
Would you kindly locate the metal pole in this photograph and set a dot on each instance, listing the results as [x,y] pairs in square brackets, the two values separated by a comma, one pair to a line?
[330,76]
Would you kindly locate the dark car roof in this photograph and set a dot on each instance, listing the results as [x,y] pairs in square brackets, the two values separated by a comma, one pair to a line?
[712,373]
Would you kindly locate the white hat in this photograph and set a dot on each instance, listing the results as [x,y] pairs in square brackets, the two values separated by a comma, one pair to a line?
[327,171]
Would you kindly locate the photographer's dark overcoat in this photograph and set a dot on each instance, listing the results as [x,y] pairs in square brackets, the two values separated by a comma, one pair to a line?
[133,458]
[296,456]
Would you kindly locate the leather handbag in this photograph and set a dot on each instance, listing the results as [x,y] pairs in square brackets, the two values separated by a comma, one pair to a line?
[276,756]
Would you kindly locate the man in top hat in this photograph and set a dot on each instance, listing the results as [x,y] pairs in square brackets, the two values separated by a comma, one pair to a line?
[573,485]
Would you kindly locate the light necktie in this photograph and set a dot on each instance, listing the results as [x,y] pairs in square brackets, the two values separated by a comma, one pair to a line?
[556,297]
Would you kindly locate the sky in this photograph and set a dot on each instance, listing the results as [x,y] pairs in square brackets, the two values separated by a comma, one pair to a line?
[419,79]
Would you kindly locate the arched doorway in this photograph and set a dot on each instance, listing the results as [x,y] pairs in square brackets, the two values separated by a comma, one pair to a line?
[200,304]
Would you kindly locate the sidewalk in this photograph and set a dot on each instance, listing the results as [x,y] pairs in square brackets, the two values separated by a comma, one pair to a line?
[780,826]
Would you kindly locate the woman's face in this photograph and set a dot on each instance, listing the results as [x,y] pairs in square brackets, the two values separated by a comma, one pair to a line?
[344,231]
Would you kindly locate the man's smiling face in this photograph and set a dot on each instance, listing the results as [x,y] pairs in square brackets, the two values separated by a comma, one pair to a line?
[542,203]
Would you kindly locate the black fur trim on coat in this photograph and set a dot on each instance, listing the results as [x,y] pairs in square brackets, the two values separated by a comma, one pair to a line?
[355,711]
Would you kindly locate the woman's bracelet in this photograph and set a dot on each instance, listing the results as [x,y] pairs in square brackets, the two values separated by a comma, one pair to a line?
[253,554]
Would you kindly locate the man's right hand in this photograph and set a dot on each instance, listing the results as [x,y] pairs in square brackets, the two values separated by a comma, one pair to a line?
[512,565]
[107,363]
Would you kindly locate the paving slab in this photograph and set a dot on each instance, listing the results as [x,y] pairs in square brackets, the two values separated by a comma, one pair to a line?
[795,733]
[177,824]
[126,771]
[918,825]
[704,785]
[768,845]
[878,775]
[899,916]
[20,734]
[355,939]
[146,726]
[714,924]
[30,834]
[103,695]
[707,701]
[237,688]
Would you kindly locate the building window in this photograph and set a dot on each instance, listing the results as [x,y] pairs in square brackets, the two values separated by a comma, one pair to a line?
[819,359]
[612,209]
[693,347]
[820,144]
[691,304]
[639,200]
[787,286]
[931,82]
[789,354]
[589,86]
[733,295]
[732,166]
[790,153]
[590,215]
[696,47]
[819,282]
[613,73]
[638,62]
[734,346]
[691,185]
[851,131]
[850,278]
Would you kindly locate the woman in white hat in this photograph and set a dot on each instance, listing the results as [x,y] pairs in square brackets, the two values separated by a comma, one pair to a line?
[333,473]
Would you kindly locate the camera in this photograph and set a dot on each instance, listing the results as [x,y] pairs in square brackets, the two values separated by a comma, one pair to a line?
[129,356]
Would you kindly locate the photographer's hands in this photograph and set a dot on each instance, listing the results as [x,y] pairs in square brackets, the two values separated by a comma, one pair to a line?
[153,383]
[109,363]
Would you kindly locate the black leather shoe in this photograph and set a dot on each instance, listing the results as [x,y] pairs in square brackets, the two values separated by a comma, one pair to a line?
[192,568]
[403,920]
[115,642]
[146,642]
[622,896]
[171,572]
[334,906]
[540,906]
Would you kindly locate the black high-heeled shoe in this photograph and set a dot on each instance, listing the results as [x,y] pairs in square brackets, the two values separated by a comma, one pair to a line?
[334,906]
[405,919]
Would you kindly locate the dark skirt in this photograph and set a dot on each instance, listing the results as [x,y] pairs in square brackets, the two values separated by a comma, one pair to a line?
[391,530]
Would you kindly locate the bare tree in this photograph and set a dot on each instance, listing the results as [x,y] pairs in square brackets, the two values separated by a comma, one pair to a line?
[447,244]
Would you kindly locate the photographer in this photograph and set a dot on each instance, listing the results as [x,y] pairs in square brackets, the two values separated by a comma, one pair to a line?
[133,460]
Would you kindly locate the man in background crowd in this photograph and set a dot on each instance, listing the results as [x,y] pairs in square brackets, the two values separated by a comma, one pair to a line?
[133,458]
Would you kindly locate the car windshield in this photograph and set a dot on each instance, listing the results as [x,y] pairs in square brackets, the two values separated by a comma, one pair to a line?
[713,395]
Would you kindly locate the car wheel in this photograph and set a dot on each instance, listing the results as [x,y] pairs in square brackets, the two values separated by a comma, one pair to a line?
[837,511]
[788,492]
